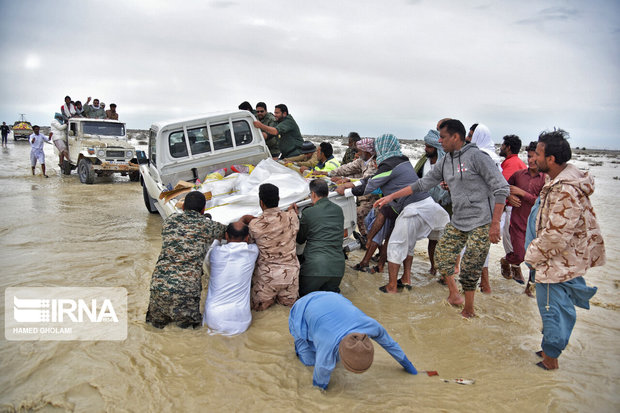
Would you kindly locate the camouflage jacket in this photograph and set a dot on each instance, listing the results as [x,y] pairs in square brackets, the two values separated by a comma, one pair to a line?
[274,233]
[349,155]
[356,169]
[568,238]
[186,238]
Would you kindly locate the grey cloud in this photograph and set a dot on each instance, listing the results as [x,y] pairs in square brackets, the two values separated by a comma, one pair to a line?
[551,14]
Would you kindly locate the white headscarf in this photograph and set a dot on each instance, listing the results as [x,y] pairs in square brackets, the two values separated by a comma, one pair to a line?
[482,139]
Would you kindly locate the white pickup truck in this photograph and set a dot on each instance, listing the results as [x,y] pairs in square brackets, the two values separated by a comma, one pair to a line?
[190,149]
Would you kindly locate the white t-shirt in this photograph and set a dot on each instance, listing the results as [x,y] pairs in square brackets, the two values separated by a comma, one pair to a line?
[227,308]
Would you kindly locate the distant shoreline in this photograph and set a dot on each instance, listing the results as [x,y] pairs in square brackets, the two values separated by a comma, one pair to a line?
[576,150]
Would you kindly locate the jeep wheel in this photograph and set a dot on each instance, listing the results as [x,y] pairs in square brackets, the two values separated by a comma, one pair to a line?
[148,201]
[66,167]
[86,171]
[134,176]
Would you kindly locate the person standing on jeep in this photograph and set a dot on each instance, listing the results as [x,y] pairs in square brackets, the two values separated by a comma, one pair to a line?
[94,111]
[268,119]
[290,137]
[111,113]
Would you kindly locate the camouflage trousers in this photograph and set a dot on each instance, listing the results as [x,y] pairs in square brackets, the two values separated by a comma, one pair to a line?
[364,205]
[264,294]
[450,246]
[168,307]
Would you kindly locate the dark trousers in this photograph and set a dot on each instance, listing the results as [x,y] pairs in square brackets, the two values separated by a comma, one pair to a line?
[309,284]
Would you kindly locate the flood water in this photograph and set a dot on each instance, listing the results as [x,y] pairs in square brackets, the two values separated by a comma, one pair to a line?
[59,232]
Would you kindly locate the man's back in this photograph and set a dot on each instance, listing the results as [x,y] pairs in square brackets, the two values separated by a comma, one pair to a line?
[227,307]
[291,140]
[185,240]
[274,233]
[322,228]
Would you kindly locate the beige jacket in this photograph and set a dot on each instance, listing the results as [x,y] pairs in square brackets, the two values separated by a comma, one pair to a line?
[568,238]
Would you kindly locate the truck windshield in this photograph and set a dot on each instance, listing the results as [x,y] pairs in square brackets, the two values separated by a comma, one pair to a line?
[104,129]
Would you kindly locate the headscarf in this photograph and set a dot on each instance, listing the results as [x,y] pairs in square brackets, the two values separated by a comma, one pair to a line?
[432,139]
[482,139]
[387,146]
[366,145]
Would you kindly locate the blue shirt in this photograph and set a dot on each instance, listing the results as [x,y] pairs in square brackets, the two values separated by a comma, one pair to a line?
[320,320]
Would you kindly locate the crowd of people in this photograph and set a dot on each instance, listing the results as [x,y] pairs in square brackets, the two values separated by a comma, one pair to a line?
[460,195]
[97,110]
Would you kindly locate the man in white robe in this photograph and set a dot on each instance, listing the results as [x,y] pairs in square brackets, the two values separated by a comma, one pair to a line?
[227,307]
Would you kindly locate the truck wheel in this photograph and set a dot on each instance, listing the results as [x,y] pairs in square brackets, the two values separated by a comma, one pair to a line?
[66,167]
[148,201]
[86,171]
[134,176]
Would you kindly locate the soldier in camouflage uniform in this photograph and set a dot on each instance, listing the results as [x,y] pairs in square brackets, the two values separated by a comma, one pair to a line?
[177,280]
[349,155]
[276,275]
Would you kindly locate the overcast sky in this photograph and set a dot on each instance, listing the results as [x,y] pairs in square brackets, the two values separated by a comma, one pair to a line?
[370,66]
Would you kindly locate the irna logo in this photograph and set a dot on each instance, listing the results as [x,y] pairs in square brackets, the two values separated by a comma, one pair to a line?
[28,310]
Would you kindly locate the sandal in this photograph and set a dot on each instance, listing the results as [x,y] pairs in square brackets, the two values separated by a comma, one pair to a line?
[401,285]
[362,268]
[383,289]
[375,270]
[539,353]
[542,365]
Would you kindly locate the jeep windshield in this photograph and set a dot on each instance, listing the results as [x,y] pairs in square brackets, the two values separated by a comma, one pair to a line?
[104,128]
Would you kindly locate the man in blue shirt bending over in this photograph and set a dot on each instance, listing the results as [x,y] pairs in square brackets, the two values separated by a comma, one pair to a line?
[327,328]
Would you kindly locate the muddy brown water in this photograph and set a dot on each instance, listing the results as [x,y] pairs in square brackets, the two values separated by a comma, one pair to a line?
[59,232]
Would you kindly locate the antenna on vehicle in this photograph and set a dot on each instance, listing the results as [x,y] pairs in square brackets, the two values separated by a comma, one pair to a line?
[22,117]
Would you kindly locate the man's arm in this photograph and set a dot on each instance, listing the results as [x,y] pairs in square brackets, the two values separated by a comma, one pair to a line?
[392,347]
[302,234]
[494,229]
[269,129]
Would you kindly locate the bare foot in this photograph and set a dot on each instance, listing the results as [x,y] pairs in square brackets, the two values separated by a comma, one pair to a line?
[456,300]
[467,314]
[432,271]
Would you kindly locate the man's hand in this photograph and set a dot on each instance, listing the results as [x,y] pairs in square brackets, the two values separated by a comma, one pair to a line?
[514,200]
[444,186]
[515,190]
[382,201]
[50,135]
[258,124]
[494,233]
[303,169]
[246,219]
[293,206]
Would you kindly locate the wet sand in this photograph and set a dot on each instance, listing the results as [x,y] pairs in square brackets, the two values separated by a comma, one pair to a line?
[59,232]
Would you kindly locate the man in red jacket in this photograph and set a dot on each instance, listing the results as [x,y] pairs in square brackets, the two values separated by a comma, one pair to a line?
[510,150]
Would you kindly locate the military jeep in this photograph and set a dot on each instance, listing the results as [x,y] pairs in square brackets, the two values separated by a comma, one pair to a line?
[99,147]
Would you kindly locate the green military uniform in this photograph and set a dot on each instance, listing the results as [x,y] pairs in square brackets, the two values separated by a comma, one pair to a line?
[349,155]
[271,140]
[322,228]
[290,137]
[177,279]
[96,113]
